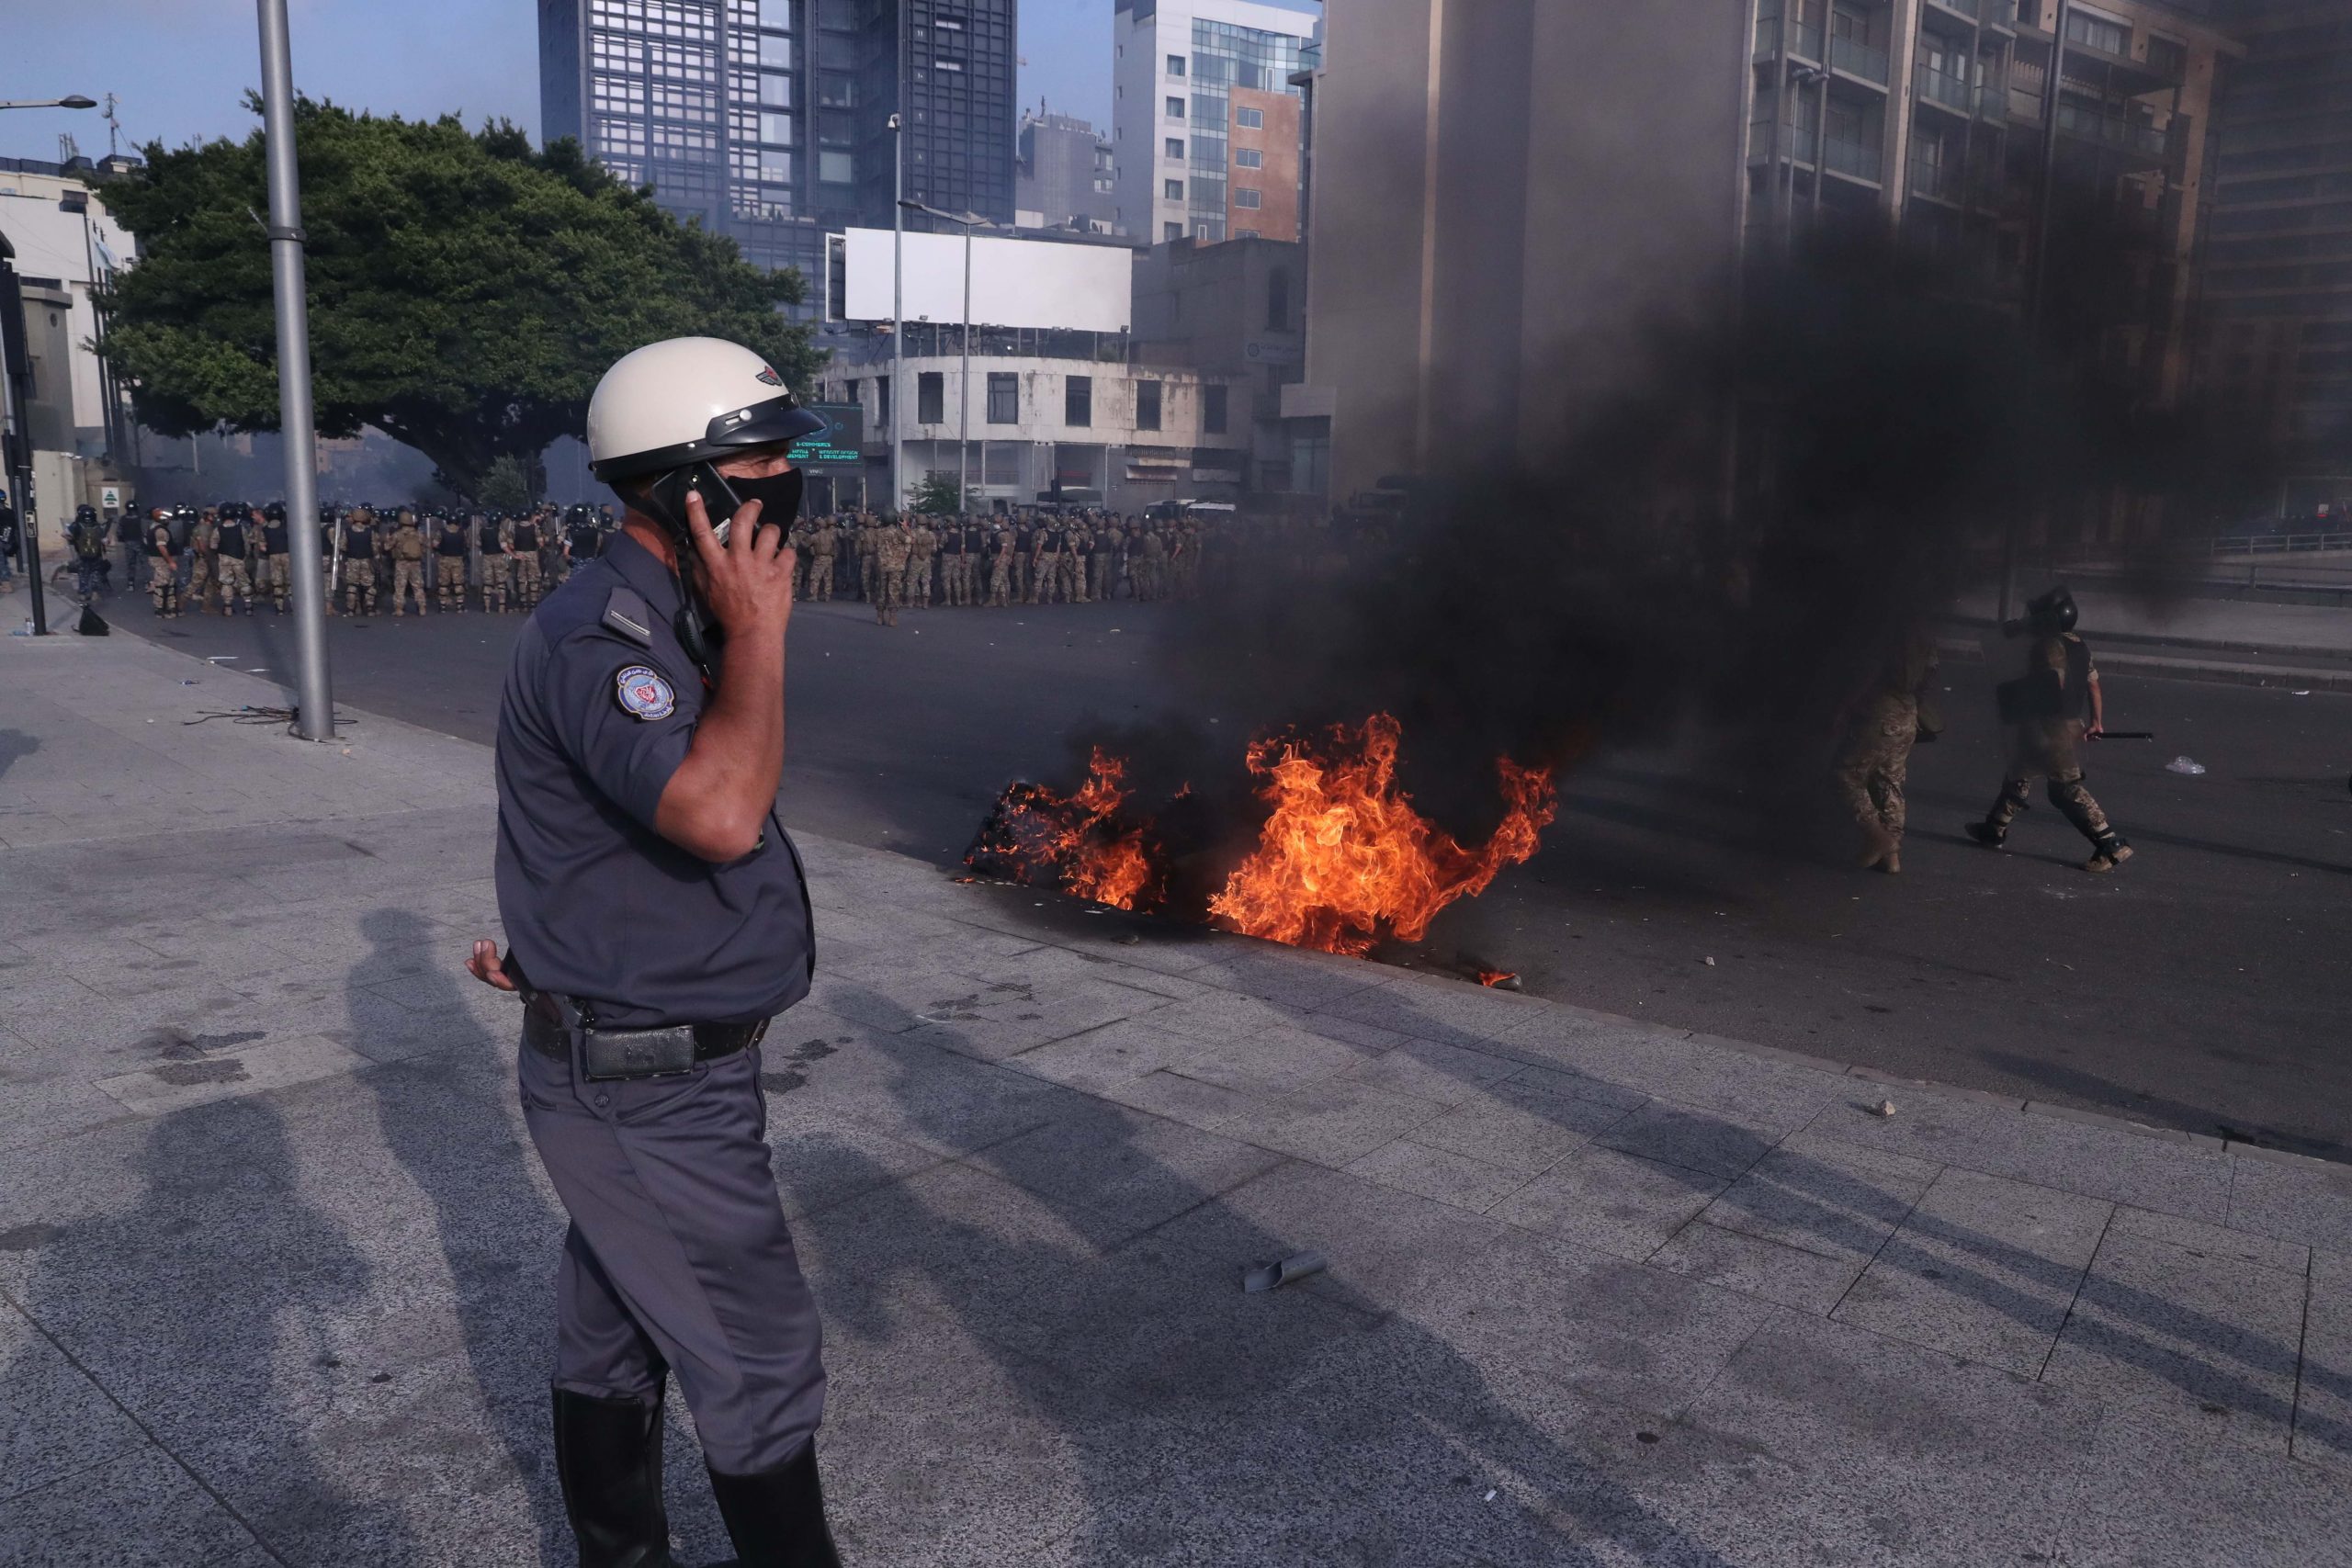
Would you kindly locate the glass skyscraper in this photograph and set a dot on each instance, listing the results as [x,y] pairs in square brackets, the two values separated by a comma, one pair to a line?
[768,120]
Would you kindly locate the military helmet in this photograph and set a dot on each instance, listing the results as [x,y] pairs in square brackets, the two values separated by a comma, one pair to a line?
[2053,613]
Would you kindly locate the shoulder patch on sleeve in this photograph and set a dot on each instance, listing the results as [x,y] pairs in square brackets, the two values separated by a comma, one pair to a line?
[644,692]
[628,612]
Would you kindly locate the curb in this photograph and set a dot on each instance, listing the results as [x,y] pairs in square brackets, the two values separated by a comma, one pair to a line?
[2277,677]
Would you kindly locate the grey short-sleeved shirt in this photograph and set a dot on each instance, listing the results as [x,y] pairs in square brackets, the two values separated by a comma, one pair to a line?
[600,707]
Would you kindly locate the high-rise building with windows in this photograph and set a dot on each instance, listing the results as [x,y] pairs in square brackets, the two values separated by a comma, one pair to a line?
[1205,119]
[769,120]
[2277,275]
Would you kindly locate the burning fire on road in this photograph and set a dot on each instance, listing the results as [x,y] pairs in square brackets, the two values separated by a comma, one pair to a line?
[1343,860]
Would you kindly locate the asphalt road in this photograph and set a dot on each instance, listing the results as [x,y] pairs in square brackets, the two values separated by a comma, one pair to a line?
[2205,987]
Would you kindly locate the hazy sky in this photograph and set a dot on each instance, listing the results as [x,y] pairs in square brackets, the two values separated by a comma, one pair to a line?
[179,67]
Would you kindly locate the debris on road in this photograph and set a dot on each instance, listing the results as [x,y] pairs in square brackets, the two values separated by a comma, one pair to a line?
[1709,961]
[1883,1108]
[1291,1270]
[2187,766]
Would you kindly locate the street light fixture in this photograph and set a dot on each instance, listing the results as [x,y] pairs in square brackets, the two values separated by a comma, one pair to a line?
[969,221]
[73,101]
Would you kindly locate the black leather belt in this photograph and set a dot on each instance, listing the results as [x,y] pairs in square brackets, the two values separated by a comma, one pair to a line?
[634,1053]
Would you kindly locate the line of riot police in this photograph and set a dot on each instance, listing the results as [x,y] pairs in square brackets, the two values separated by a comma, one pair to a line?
[216,560]
[1029,558]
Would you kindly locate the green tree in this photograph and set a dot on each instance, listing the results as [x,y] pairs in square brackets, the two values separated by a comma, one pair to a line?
[508,485]
[937,494]
[466,290]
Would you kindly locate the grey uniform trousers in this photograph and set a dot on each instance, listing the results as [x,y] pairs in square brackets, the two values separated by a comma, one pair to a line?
[678,1258]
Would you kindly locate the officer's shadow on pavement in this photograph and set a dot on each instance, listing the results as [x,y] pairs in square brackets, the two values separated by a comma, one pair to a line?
[14,746]
[210,1310]
[444,1115]
[1202,1423]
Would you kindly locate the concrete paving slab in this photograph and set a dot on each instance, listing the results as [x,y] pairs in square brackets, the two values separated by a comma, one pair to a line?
[1131,1169]
[54,1421]
[245,1069]
[1693,1139]
[1179,1098]
[2323,1380]
[1379,1243]
[1267,1062]
[1770,1270]
[1984,1268]
[2213,1241]
[1517,1125]
[1329,1124]
[2155,1491]
[2310,1205]
[2170,1177]
[1610,1201]
[137,1510]
[1821,1443]
[1447,1075]
[1598,1325]
[1103,1058]
[2217,1336]
[1829,1198]
[1455,1178]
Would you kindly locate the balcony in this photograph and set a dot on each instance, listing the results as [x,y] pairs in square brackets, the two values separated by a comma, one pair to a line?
[1943,89]
[1856,160]
[1937,182]
[1857,60]
[2111,130]
[1970,10]
[1804,39]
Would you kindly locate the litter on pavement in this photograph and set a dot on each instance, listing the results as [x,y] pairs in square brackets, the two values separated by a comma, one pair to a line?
[1275,1276]
[2185,766]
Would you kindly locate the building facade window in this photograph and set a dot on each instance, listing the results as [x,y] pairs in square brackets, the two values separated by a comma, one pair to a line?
[1175,108]
[1172,190]
[2098,32]
[930,398]
[1004,398]
[1175,65]
[882,400]
[1249,120]
[1249,200]
[1146,405]
[1171,232]
[1213,410]
[1176,148]
[1078,401]
[837,168]
[1248,158]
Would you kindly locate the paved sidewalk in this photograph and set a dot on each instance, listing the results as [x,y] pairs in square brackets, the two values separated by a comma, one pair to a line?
[275,1254]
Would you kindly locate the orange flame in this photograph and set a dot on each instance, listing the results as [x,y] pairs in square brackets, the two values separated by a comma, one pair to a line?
[1344,858]
[1077,842]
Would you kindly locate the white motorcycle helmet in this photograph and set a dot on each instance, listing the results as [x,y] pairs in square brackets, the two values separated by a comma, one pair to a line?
[665,414]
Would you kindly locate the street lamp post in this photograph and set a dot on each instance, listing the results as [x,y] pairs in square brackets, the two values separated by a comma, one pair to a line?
[17,393]
[315,715]
[969,221]
[897,314]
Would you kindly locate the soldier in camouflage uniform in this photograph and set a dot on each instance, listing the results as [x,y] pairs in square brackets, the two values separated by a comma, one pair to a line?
[163,567]
[999,560]
[525,537]
[921,545]
[2050,710]
[824,549]
[1875,762]
[236,542]
[866,537]
[407,551]
[892,545]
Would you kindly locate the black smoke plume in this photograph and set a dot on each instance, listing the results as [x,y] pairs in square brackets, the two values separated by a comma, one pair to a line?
[1722,556]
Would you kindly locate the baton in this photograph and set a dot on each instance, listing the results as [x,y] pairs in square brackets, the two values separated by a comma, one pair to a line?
[2124,735]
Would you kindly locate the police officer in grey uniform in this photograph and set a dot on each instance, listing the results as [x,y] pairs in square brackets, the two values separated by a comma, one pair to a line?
[658,921]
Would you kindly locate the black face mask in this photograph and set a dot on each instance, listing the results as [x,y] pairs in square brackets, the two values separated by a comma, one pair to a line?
[722,497]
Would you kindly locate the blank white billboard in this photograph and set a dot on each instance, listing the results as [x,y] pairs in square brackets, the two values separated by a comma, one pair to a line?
[1015,283]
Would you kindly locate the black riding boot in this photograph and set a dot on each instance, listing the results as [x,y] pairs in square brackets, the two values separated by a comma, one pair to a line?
[776,1518]
[608,1457]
